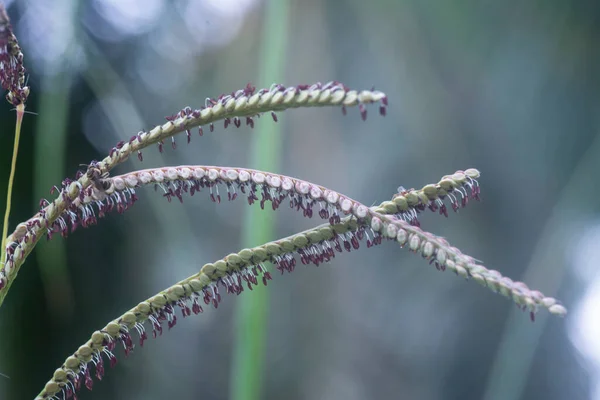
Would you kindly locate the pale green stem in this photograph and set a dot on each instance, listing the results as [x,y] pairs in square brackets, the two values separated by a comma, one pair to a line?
[11,179]
[246,379]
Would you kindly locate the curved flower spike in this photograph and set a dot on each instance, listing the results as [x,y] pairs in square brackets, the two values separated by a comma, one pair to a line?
[119,193]
[246,103]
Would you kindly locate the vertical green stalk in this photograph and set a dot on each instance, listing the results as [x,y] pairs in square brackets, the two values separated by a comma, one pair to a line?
[251,314]
[11,179]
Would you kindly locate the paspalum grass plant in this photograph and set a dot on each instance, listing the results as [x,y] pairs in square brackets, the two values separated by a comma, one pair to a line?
[95,192]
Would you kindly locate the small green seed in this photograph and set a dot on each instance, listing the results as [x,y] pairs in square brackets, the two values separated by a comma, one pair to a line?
[286,245]
[273,248]
[241,103]
[221,266]
[376,224]
[246,255]
[402,237]
[230,105]
[208,269]
[300,241]
[143,308]
[204,279]
[412,199]
[114,329]
[472,173]
[325,96]
[314,237]
[448,184]
[460,178]
[401,203]
[440,257]
[430,191]
[97,338]
[558,309]
[548,302]
[72,363]
[51,389]
[253,100]
[158,301]
[391,231]
[234,259]
[325,233]
[414,242]
[196,285]
[217,109]
[84,351]
[302,97]
[60,375]
[462,271]
[389,207]
[260,254]
[428,249]
[265,98]
[174,293]
[128,319]
[478,278]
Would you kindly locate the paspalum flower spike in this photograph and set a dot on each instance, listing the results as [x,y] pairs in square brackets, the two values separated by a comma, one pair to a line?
[245,103]
[119,194]
[12,71]
[314,246]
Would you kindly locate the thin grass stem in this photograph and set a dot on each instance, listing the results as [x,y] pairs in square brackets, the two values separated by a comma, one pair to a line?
[246,379]
[11,179]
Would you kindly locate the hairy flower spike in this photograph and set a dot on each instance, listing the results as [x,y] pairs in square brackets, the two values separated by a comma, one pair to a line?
[12,71]
[277,189]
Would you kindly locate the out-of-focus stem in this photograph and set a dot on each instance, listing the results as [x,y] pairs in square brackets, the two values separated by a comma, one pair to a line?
[246,378]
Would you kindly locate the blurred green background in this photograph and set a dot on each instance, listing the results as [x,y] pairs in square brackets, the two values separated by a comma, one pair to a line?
[509,87]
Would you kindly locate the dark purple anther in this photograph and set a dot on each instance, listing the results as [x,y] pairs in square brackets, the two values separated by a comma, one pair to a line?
[89,383]
[363,112]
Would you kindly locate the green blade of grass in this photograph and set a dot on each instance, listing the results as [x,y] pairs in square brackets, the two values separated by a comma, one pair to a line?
[246,378]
